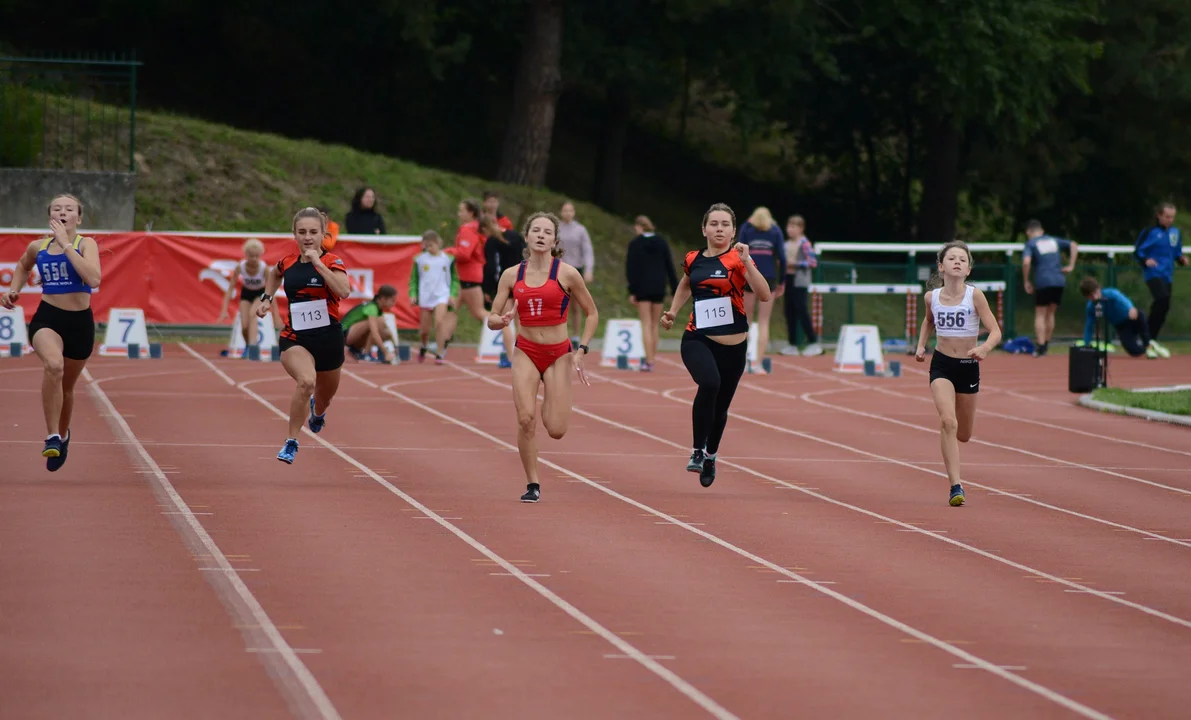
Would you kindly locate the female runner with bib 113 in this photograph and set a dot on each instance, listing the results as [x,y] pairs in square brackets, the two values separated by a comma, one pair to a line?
[955,311]
[311,342]
[62,332]
[715,344]
[540,290]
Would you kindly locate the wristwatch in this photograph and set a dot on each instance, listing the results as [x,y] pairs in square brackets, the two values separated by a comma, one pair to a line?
[266,296]
[584,348]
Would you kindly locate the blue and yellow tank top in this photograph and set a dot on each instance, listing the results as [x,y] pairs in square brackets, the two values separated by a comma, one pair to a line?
[58,275]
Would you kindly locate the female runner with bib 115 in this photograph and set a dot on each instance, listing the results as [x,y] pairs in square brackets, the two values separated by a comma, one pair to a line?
[715,343]
[540,290]
[62,332]
[311,342]
[955,311]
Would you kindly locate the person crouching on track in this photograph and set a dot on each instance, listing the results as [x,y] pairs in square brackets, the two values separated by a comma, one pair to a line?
[1130,323]
[433,285]
[63,328]
[955,311]
[715,344]
[364,326]
[540,291]
[312,339]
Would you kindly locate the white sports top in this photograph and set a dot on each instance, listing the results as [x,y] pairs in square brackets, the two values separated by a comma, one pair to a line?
[955,320]
[253,282]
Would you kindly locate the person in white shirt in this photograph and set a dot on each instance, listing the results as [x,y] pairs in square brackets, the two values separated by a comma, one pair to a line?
[577,252]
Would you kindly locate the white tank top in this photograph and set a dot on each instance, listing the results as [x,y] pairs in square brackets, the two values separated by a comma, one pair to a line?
[253,282]
[955,320]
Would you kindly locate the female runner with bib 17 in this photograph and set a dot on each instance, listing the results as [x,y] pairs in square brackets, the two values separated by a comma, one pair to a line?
[955,311]
[312,340]
[540,291]
[62,332]
[715,343]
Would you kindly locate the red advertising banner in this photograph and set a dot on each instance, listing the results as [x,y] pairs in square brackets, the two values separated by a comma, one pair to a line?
[181,278]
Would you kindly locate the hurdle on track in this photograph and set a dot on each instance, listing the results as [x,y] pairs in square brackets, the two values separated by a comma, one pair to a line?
[911,292]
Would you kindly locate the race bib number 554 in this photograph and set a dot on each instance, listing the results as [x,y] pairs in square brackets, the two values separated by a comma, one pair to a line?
[309,315]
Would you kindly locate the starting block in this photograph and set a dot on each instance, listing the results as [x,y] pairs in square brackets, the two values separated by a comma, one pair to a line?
[14,333]
[126,335]
[624,345]
[751,352]
[266,335]
[492,346]
[859,348]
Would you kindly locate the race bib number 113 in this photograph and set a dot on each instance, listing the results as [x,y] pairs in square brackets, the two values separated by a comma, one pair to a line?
[309,315]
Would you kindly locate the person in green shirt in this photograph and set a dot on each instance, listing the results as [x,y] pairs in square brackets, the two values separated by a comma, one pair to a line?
[364,328]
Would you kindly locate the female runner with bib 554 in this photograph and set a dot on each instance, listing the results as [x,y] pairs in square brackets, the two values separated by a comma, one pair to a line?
[312,340]
[715,345]
[955,311]
[540,290]
[62,331]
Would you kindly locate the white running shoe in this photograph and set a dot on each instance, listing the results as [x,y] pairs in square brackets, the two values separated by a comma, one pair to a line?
[790,350]
[1162,352]
[812,350]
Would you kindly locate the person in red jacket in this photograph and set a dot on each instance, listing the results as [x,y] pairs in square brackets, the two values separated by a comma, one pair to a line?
[469,265]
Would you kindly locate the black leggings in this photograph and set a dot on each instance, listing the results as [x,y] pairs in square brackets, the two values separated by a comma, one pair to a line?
[1134,335]
[1160,289]
[798,313]
[716,369]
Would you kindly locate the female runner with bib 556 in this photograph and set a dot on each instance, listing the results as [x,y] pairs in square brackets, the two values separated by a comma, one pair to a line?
[540,290]
[62,331]
[955,311]
[715,345]
[311,342]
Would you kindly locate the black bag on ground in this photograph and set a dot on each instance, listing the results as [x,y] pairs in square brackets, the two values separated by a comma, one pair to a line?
[1087,366]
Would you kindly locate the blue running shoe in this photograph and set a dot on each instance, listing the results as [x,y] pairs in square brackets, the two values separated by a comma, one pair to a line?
[316,422]
[287,453]
[53,447]
[53,464]
[957,495]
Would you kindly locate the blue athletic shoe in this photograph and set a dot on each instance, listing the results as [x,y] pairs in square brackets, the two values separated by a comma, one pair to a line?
[287,453]
[53,447]
[957,495]
[315,422]
[53,464]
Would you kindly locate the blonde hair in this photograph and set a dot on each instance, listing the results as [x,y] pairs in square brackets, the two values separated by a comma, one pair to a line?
[50,205]
[310,212]
[254,244]
[936,280]
[645,223]
[761,219]
[555,251]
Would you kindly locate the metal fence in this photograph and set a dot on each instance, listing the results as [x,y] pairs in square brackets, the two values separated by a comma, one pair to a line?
[68,113]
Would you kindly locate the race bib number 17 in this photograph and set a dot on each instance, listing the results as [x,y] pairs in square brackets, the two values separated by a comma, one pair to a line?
[309,315]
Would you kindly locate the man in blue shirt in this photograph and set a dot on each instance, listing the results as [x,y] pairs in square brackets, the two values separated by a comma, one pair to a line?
[1158,248]
[1045,254]
[1130,323]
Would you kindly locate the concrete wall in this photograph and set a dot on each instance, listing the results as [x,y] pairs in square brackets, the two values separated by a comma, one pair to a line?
[109,198]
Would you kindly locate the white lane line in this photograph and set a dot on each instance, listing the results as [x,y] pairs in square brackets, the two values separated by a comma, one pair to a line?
[208,363]
[855,508]
[682,686]
[295,681]
[819,587]
[976,441]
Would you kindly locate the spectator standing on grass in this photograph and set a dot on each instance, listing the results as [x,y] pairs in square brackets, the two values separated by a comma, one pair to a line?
[576,252]
[1045,254]
[767,248]
[363,218]
[491,206]
[1158,248]
[800,267]
[648,266]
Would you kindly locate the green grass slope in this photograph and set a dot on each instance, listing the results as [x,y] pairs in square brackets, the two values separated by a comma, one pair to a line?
[196,175]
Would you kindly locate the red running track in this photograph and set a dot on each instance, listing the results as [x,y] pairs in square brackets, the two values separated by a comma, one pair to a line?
[175,568]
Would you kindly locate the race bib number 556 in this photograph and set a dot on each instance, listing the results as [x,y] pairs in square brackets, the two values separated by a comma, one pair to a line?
[309,315]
